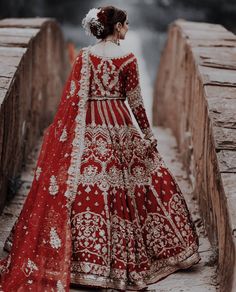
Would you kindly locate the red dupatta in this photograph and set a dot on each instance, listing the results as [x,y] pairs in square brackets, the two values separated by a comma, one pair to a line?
[39,259]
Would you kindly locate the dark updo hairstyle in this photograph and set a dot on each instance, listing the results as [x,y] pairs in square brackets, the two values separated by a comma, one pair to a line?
[108,16]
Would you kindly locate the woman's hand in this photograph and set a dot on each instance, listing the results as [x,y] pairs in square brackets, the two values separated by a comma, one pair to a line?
[150,142]
[153,141]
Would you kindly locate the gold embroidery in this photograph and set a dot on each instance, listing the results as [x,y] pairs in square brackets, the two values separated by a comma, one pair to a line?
[38,172]
[63,136]
[55,241]
[110,77]
[29,267]
[53,187]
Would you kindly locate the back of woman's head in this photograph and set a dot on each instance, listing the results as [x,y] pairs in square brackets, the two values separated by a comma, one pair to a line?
[108,17]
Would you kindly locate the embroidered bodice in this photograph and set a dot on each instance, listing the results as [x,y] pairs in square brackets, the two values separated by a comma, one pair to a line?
[114,77]
[107,75]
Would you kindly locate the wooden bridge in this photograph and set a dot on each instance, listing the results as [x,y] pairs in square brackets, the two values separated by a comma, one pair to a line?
[194,96]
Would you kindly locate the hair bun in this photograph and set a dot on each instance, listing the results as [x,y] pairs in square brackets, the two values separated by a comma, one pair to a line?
[102,17]
[100,21]
[91,21]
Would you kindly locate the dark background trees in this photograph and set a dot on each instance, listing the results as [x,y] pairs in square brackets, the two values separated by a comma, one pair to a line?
[156,13]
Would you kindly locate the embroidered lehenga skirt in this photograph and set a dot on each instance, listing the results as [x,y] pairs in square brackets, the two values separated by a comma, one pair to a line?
[130,223]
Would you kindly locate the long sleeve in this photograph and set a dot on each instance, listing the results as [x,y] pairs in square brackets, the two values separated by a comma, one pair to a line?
[134,97]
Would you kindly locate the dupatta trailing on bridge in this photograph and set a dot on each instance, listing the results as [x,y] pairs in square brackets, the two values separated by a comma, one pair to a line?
[40,256]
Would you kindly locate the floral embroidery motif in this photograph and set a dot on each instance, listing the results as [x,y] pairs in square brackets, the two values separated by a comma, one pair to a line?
[106,77]
[29,268]
[108,72]
[105,173]
[78,142]
[88,233]
[60,287]
[53,187]
[54,238]
[72,89]
[63,136]
[90,171]
[38,171]
[4,267]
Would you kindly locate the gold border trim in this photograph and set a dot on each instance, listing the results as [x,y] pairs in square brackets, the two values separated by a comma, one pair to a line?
[91,280]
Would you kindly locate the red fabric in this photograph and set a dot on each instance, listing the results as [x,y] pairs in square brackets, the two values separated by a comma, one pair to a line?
[34,264]
[128,224]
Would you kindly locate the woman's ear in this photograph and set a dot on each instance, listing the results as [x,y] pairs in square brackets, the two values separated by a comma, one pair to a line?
[118,25]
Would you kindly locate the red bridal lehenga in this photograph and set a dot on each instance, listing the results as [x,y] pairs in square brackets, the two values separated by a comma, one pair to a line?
[103,209]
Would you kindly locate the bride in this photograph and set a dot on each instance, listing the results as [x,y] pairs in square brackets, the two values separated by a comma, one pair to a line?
[103,209]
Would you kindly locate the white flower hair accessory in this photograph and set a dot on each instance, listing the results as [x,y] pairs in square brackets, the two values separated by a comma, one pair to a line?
[91,18]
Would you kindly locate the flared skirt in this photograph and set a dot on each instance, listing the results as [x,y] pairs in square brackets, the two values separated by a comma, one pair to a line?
[130,223]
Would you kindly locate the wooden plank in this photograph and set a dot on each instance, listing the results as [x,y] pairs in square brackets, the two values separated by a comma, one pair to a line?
[3,93]
[217,76]
[225,138]
[227,160]
[7,71]
[14,41]
[18,32]
[199,26]
[12,51]
[213,91]
[216,57]
[222,112]
[5,82]
[211,43]
[208,35]
[24,22]
[229,180]
[10,61]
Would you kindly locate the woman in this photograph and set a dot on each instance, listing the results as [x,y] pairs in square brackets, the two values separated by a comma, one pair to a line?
[103,209]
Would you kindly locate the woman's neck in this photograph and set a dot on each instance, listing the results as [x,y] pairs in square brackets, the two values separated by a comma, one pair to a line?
[108,49]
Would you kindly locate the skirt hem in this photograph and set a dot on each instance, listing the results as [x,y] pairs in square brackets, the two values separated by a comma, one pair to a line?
[91,280]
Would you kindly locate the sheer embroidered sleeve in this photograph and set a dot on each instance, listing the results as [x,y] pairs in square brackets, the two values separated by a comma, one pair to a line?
[134,97]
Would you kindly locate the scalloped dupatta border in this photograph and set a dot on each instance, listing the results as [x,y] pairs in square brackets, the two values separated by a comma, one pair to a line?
[78,142]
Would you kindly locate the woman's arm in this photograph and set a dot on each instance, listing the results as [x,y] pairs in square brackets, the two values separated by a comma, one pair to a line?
[135,100]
